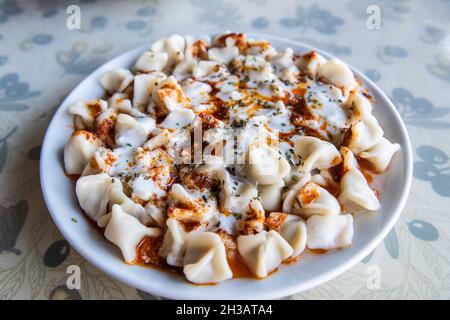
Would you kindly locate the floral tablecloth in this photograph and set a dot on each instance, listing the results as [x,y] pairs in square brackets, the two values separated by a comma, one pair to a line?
[41,60]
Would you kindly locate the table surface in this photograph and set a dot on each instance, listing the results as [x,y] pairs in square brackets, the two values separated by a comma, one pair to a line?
[41,61]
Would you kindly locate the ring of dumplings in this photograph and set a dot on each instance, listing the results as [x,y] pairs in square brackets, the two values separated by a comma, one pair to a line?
[288,150]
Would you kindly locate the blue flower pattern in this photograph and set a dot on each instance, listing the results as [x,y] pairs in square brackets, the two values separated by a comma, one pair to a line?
[9,9]
[434,167]
[319,19]
[80,59]
[13,92]
[419,111]
[220,13]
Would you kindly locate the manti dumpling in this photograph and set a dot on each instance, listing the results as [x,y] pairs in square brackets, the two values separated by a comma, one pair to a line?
[310,63]
[364,134]
[174,245]
[336,72]
[355,193]
[151,61]
[116,80]
[223,55]
[357,107]
[313,199]
[93,194]
[144,84]
[101,161]
[78,151]
[173,46]
[126,232]
[263,252]
[295,233]
[205,260]
[380,154]
[97,193]
[178,118]
[291,227]
[270,196]
[189,207]
[315,153]
[307,198]
[85,112]
[167,97]
[329,232]
[266,164]
[132,131]
[235,196]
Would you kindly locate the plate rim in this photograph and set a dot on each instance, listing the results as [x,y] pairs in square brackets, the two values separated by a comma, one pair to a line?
[276,292]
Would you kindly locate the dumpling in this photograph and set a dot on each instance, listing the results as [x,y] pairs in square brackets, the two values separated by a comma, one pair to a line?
[258,69]
[185,69]
[174,244]
[357,107]
[167,97]
[205,260]
[312,199]
[133,132]
[266,165]
[293,230]
[310,63]
[241,200]
[97,193]
[336,72]
[179,195]
[270,196]
[151,61]
[289,196]
[252,220]
[364,134]
[380,154]
[178,118]
[223,55]
[291,227]
[185,207]
[315,153]
[144,84]
[173,46]
[260,48]
[120,103]
[101,161]
[210,70]
[289,74]
[355,192]
[151,174]
[78,150]
[198,94]
[104,126]
[85,112]
[116,80]
[126,232]
[93,194]
[158,214]
[329,232]
[283,59]
[235,196]
[197,48]
[144,214]
[263,252]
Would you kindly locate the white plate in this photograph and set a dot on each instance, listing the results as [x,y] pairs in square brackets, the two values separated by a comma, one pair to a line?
[370,229]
